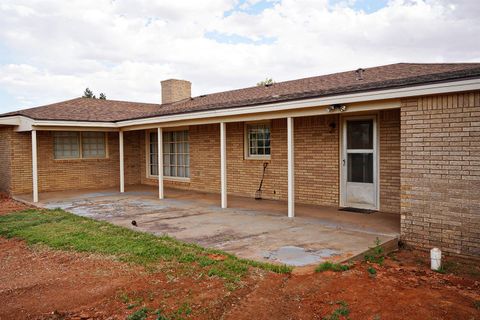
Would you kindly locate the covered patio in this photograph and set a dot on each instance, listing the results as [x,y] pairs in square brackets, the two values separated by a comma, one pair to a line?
[254,229]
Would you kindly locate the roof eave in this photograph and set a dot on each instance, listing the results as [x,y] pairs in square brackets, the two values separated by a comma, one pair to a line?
[26,124]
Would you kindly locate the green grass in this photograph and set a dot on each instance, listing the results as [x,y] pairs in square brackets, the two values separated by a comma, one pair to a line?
[159,314]
[140,314]
[61,230]
[372,271]
[327,265]
[341,311]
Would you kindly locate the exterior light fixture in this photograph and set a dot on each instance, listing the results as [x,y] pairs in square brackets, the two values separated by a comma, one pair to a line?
[337,107]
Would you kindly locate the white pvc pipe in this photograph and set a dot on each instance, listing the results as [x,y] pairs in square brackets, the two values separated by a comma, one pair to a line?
[435,259]
[122,165]
[160,163]
[291,166]
[223,163]
[34,166]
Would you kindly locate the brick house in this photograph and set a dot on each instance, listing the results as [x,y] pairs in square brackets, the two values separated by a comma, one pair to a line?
[400,138]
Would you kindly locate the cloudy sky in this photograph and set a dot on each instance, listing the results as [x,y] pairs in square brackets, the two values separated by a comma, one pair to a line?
[52,50]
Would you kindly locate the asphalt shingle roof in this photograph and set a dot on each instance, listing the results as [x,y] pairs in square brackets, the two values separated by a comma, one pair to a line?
[376,78]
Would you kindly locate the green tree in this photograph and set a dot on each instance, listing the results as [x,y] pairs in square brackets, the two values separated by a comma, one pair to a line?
[266,82]
[88,94]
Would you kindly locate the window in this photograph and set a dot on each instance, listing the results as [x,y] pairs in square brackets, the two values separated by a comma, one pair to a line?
[176,154]
[67,145]
[258,141]
[93,145]
[77,145]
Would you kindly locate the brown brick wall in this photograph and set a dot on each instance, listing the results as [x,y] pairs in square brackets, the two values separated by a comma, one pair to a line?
[132,156]
[440,180]
[316,160]
[21,162]
[389,132]
[5,173]
[55,175]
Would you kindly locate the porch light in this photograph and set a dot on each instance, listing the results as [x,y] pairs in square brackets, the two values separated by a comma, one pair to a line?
[337,107]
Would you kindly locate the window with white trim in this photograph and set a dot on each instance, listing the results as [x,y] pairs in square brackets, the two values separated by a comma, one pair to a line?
[258,140]
[79,145]
[176,154]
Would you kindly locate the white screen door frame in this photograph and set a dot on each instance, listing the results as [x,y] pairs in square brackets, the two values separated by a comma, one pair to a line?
[364,190]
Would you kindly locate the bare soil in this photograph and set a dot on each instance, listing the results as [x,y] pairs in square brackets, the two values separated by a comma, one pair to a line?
[9,205]
[39,283]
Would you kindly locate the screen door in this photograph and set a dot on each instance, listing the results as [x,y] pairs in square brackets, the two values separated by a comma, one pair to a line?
[359,163]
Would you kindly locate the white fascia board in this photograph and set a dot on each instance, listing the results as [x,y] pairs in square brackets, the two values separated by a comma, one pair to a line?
[10,121]
[21,123]
[438,88]
[88,124]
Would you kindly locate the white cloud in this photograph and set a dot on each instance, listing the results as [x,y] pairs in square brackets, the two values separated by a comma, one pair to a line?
[124,48]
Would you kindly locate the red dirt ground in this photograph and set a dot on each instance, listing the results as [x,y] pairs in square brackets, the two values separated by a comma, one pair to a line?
[39,283]
[8,205]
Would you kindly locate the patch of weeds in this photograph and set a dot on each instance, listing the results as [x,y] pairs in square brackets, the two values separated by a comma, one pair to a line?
[140,314]
[205,261]
[441,270]
[376,254]
[377,317]
[135,304]
[220,273]
[371,271]
[393,256]
[124,297]
[327,265]
[277,268]
[183,310]
[342,310]
[477,304]
[231,286]
[188,257]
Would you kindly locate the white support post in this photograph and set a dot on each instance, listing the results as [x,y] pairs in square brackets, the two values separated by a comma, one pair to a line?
[34,166]
[291,168]
[122,164]
[223,163]
[160,163]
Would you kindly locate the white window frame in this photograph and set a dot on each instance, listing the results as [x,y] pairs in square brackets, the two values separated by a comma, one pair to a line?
[147,155]
[80,147]
[246,144]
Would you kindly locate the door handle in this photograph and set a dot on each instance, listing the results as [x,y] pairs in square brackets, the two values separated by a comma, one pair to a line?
[343,162]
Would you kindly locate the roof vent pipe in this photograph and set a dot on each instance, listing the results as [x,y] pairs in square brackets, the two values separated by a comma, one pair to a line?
[359,73]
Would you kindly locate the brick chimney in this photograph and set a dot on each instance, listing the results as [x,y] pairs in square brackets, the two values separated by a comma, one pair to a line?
[174,90]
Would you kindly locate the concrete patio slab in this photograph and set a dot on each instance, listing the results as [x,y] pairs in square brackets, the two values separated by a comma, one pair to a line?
[258,230]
